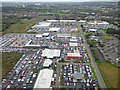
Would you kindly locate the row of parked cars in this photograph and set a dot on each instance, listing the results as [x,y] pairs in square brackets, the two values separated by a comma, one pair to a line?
[70,69]
[19,50]
[24,72]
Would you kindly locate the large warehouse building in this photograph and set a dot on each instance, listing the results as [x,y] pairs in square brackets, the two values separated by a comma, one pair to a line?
[51,53]
[76,54]
[42,25]
[44,79]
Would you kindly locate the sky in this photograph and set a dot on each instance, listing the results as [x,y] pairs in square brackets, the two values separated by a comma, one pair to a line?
[56,0]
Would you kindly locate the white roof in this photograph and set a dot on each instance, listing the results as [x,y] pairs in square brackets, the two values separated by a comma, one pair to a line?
[44,79]
[42,24]
[63,35]
[82,21]
[67,20]
[52,20]
[38,35]
[51,53]
[73,44]
[47,63]
[45,34]
[103,22]
[54,29]
[75,54]
[94,30]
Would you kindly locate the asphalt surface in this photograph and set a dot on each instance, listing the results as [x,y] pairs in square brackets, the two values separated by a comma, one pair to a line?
[93,63]
[99,55]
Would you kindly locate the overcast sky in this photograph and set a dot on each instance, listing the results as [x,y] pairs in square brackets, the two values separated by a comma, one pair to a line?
[55,0]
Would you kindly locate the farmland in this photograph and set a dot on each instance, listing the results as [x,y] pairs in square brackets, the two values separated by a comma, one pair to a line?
[110,74]
[8,62]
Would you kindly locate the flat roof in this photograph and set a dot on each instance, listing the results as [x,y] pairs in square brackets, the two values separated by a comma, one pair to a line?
[45,34]
[44,79]
[42,24]
[74,54]
[38,35]
[102,22]
[73,44]
[54,29]
[52,20]
[67,20]
[51,53]
[47,63]
[82,21]
[63,35]
[93,30]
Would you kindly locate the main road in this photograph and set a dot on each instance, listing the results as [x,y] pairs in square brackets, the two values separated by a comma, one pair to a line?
[93,63]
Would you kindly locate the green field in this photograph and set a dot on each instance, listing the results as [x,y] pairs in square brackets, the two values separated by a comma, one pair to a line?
[21,27]
[110,74]
[107,37]
[105,30]
[8,62]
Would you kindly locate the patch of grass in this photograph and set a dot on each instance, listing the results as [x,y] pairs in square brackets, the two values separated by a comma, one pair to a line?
[107,37]
[8,62]
[21,27]
[105,30]
[110,74]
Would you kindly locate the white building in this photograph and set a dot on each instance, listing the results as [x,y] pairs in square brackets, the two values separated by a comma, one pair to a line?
[92,30]
[45,34]
[52,21]
[76,54]
[38,35]
[54,29]
[51,53]
[68,21]
[42,25]
[102,23]
[82,21]
[73,44]
[47,63]
[73,39]
[44,79]
[63,35]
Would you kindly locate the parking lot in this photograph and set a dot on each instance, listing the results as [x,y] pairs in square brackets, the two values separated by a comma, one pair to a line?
[72,58]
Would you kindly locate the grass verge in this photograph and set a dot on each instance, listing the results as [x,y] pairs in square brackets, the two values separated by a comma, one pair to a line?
[8,62]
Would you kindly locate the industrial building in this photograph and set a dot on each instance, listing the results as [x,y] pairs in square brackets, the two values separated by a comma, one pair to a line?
[42,25]
[73,44]
[92,30]
[51,53]
[63,35]
[44,79]
[73,55]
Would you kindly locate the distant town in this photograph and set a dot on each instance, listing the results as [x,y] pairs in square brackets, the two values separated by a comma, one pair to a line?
[56,45]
